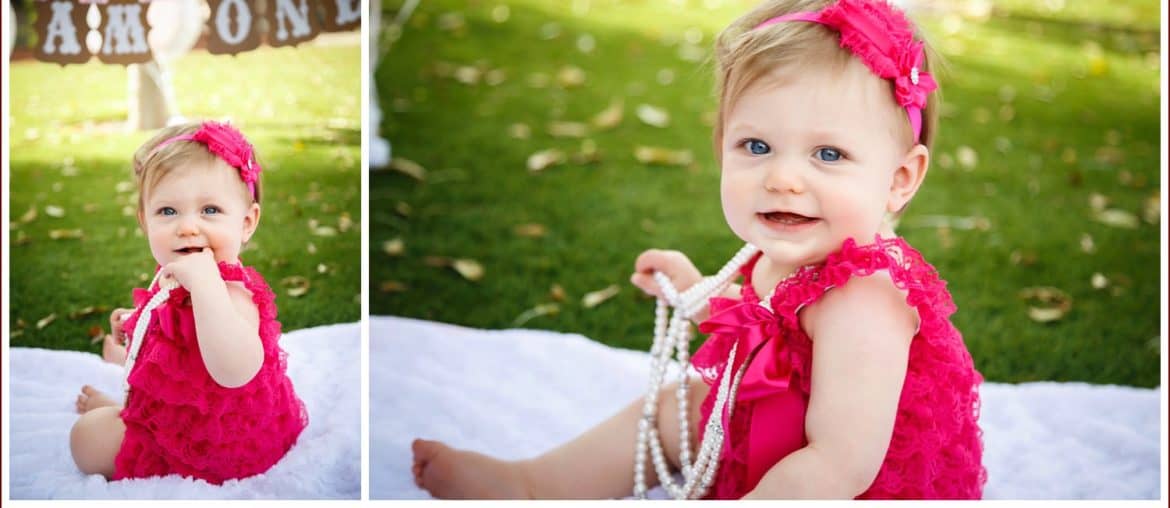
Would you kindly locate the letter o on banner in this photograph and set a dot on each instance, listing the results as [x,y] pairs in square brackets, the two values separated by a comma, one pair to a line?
[234,27]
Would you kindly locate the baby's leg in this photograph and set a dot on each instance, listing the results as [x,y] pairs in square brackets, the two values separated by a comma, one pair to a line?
[95,440]
[596,464]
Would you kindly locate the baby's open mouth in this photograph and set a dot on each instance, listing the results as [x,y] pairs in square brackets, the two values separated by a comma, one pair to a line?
[189,250]
[787,218]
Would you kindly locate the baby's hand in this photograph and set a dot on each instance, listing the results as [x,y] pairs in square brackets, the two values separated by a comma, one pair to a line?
[116,319]
[681,271]
[193,270]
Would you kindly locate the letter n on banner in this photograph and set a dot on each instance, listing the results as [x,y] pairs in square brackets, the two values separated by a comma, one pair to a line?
[342,15]
[61,30]
[124,28]
[291,22]
[234,27]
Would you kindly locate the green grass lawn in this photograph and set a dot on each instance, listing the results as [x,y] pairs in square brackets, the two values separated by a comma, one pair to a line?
[300,108]
[1040,127]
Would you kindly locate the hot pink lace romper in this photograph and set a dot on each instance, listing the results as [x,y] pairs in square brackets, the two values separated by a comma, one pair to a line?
[180,421]
[936,449]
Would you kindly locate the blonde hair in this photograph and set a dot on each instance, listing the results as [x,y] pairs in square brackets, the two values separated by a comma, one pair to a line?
[152,164]
[744,56]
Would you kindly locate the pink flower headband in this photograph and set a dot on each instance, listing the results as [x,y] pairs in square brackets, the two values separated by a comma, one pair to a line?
[229,144]
[882,37]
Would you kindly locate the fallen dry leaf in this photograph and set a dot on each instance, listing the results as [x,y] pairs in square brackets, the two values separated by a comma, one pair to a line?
[609,117]
[570,76]
[567,129]
[409,167]
[963,223]
[54,211]
[663,156]
[46,321]
[588,153]
[470,269]
[324,231]
[467,75]
[1099,281]
[556,292]
[1047,303]
[65,234]
[394,246]
[1117,218]
[437,261]
[88,311]
[311,248]
[297,285]
[545,159]
[596,298]
[322,268]
[519,131]
[344,222]
[532,230]
[392,286]
[1098,202]
[653,116]
[544,309]
[96,334]
[967,157]
[29,216]
[495,77]
[403,208]
[1152,211]
[1087,244]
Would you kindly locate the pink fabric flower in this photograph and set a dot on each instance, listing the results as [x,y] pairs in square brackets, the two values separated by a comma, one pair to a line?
[230,145]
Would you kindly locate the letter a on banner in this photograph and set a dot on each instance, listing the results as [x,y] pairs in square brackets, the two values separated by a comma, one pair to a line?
[342,15]
[61,32]
[291,22]
[123,30]
[234,27]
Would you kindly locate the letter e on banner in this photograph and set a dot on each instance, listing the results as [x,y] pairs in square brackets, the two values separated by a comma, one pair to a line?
[342,15]
[123,30]
[61,30]
[291,22]
[234,27]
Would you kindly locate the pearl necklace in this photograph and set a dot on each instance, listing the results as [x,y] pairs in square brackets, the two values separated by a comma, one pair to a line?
[673,333]
[164,292]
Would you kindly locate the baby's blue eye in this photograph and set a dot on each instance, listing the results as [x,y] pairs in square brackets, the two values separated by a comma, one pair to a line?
[757,147]
[210,210]
[829,154]
[166,210]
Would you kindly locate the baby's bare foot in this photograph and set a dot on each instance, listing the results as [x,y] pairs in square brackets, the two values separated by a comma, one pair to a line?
[92,398]
[113,351]
[448,473]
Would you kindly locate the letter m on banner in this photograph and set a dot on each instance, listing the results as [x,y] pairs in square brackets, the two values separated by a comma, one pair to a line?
[123,30]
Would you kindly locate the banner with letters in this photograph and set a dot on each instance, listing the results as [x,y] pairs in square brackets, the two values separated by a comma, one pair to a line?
[233,27]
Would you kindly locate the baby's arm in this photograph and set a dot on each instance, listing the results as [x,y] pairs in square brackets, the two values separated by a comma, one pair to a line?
[227,322]
[861,344]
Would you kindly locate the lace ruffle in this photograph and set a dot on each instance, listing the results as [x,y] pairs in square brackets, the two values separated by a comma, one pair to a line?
[936,449]
[179,420]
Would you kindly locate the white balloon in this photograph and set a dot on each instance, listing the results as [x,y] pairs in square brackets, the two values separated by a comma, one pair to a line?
[175,26]
[11,30]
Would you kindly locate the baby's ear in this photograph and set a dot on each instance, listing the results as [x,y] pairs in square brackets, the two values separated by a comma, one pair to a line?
[251,221]
[908,177]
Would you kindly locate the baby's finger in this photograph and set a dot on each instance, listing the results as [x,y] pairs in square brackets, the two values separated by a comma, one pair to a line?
[646,283]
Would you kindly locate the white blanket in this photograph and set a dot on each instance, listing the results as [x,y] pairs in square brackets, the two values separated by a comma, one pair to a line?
[516,393]
[323,363]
